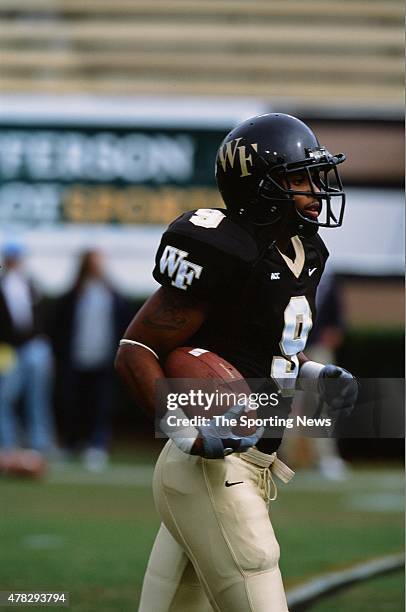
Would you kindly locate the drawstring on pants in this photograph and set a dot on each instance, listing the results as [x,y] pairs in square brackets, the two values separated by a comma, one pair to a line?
[264,482]
[269,464]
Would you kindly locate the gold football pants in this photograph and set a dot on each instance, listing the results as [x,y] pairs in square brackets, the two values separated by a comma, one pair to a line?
[216,549]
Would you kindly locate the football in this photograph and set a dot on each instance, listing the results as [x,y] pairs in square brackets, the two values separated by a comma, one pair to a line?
[214,380]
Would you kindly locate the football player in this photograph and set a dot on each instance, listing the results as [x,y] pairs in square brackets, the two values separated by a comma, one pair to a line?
[240,282]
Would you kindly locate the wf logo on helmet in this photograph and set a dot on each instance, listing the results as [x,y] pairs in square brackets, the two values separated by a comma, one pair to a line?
[228,152]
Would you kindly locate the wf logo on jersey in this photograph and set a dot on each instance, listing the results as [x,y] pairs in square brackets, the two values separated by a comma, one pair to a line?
[228,154]
[174,262]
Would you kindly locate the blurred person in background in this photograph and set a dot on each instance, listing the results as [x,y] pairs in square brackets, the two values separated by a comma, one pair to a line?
[88,322]
[25,359]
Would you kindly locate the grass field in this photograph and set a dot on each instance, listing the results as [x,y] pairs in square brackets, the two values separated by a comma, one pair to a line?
[91,534]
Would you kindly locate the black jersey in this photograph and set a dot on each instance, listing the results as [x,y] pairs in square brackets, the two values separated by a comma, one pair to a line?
[263,302]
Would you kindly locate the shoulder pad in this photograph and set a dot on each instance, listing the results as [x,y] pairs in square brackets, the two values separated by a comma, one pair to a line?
[215,228]
[205,253]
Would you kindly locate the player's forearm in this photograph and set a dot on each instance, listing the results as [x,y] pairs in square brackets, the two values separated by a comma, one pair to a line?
[140,371]
[166,321]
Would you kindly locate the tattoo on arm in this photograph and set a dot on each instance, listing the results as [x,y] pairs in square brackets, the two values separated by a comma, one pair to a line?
[171,314]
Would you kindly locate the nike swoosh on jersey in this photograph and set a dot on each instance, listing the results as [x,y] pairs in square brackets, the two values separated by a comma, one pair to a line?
[311,270]
[231,484]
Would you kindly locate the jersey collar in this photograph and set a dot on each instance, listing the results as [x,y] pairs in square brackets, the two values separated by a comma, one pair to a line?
[295,266]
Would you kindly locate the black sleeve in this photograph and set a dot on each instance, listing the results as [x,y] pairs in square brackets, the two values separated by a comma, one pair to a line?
[195,266]
[206,260]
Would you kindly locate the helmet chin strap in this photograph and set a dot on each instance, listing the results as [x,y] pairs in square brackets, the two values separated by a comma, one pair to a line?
[294,224]
[283,228]
[307,230]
